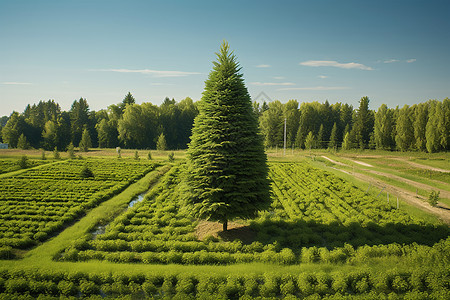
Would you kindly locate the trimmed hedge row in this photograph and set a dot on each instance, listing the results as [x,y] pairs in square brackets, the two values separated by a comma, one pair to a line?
[159,254]
[416,284]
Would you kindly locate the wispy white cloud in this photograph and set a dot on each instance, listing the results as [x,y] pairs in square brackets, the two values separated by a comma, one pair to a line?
[155,73]
[315,88]
[16,83]
[389,61]
[332,63]
[411,60]
[160,83]
[279,77]
[322,76]
[271,83]
[263,66]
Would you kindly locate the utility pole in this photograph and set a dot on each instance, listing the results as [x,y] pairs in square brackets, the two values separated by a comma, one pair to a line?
[284,136]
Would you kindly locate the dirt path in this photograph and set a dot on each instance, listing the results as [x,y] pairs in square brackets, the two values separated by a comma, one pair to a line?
[420,166]
[443,193]
[361,163]
[442,211]
[411,163]
[333,161]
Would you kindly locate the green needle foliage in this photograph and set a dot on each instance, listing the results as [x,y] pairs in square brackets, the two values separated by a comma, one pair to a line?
[227,173]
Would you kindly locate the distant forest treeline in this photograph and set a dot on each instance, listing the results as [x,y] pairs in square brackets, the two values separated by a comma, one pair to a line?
[422,127]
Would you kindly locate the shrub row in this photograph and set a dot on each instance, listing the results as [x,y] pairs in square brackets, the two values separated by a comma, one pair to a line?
[437,254]
[417,284]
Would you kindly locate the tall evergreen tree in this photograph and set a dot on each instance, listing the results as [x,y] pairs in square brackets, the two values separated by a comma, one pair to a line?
[363,123]
[161,144]
[346,142]
[320,140]
[309,141]
[79,116]
[128,100]
[333,137]
[85,142]
[228,174]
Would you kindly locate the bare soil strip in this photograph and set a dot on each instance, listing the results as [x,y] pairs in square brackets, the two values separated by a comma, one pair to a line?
[362,163]
[333,161]
[235,231]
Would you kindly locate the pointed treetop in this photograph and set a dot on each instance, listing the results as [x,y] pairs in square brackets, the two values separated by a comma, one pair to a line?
[226,58]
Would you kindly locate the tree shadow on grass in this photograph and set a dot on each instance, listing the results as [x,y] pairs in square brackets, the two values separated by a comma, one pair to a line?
[299,233]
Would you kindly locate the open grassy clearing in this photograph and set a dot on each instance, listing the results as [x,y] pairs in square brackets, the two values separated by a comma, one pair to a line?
[323,237]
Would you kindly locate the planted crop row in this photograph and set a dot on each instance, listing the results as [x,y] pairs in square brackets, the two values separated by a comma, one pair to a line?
[35,205]
[103,169]
[414,284]
[311,194]
[10,165]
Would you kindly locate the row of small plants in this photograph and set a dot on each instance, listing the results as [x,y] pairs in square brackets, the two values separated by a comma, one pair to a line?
[160,230]
[308,193]
[10,165]
[420,283]
[39,202]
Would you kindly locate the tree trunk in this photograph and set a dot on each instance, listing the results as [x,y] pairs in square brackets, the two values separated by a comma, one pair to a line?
[225,225]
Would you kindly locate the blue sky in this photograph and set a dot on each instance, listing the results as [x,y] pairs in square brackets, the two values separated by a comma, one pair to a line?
[394,52]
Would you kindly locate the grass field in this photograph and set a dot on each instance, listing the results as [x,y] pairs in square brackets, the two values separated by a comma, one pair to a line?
[325,236]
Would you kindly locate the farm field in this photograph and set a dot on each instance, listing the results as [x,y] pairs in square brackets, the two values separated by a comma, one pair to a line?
[325,236]
[39,202]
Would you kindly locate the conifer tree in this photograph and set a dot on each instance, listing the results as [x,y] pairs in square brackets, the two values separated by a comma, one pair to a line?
[346,143]
[71,151]
[227,176]
[333,137]
[309,141]
[161,143]
[85,142]
[320,137]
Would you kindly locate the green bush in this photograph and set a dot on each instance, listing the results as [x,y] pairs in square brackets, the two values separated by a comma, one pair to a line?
[433,198]
[56,154]
[288,285]
[271,286]
[306,283]
[339,283]
[88,288]
[171,157]
[168,286]
[86,172]
[185,285]
[6,252]
[149,289]
[23,162]
[16,285]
